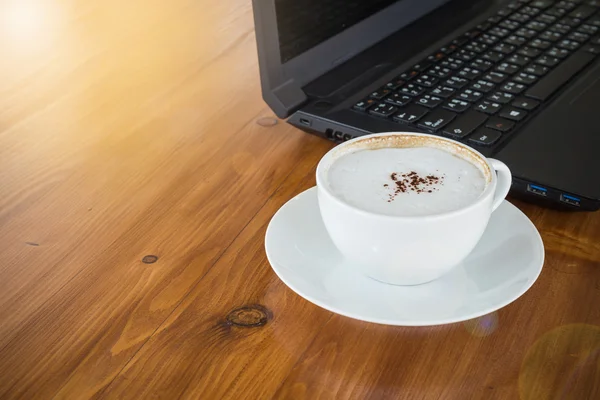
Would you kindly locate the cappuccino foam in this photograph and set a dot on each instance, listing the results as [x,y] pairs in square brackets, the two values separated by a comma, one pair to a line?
[413,181]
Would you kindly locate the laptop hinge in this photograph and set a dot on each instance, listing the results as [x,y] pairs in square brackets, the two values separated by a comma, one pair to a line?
[290,97]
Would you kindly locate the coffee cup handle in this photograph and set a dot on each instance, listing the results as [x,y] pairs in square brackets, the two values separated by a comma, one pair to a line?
[504,181]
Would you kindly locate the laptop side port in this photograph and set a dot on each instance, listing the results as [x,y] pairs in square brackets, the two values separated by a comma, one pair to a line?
[571,200]
[305,121]
[338,135]
[539,190]
[329,133]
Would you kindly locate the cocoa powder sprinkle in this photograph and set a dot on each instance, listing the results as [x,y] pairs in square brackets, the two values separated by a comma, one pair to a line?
[413,182]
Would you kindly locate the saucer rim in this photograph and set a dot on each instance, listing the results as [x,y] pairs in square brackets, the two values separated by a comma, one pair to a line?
[399,322]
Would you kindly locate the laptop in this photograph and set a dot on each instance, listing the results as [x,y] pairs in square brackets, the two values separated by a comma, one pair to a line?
[518,81]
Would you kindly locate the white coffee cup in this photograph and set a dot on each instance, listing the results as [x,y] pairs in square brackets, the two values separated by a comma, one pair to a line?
[409,250]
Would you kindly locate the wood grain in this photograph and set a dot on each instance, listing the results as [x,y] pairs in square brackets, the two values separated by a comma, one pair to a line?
[139,169]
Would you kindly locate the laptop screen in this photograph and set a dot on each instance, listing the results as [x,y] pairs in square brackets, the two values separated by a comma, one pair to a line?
[303,24]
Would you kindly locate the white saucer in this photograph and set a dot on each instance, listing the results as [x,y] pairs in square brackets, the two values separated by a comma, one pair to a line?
[505,263]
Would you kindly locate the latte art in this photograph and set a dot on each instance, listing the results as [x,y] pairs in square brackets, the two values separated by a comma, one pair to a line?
[413,181]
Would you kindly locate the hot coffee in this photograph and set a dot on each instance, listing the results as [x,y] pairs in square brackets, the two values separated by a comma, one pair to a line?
[411,181]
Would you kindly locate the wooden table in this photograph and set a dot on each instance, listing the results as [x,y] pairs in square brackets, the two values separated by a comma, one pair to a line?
[139,168]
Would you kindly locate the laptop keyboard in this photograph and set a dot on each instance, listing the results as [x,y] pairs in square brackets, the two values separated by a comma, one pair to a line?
[485,83]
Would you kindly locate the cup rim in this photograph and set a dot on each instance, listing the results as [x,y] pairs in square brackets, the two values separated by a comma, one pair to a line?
[489,190]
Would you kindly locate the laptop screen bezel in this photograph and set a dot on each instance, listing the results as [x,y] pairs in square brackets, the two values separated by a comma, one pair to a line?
[282,82]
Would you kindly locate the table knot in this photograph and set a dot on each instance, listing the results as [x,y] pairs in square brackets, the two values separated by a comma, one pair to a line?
[249,316]
[149,259]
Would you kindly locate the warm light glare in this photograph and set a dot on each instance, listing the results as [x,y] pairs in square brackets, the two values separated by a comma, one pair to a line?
[27,19]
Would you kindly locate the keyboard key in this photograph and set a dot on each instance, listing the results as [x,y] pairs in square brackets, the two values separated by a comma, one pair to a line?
[456,82]
[477,47]
[536,69]
[423,65]
[488,107]
[507,68]
[512,87]
[429,101]
[551,36]
[560,28]
[547,61]
[395,84]
[426,81]
[488,39]
[436,56]
[456,105]
[452,63]
[518,59]
[383,110]
[459,41]
[531,11]
[398,99]
[411,90]
[439,71]
[536,26]
[466,55]
[442,91]
[578,37]
[582,12]
[546,19]
[485,137]
[572,22]
[493,56]
[525,78]
[482,86]
[504,48]
[504,12]
[525,104]
[408,75]
[481,64]
[380,94]
[436,119]
[484,26]
[499,124]
[509,24]
[558,53]
[469,73]
[540,44]
[515,40]
[588,29]
[515,5]
[520,18]
[464,124]
[500,32]
[591,48]
[501,97]
[556,12]
[559,76]
[364,105]
[449,49]
[529,52]
[495,77]
[568,44]
[567,5]
[595,20]
[512,113]
[410,114]
[541,3]
[469,95]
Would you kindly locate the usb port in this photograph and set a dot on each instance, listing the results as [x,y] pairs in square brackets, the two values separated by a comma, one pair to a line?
[540,191]
[338,135]
[305,121]
[572,200]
